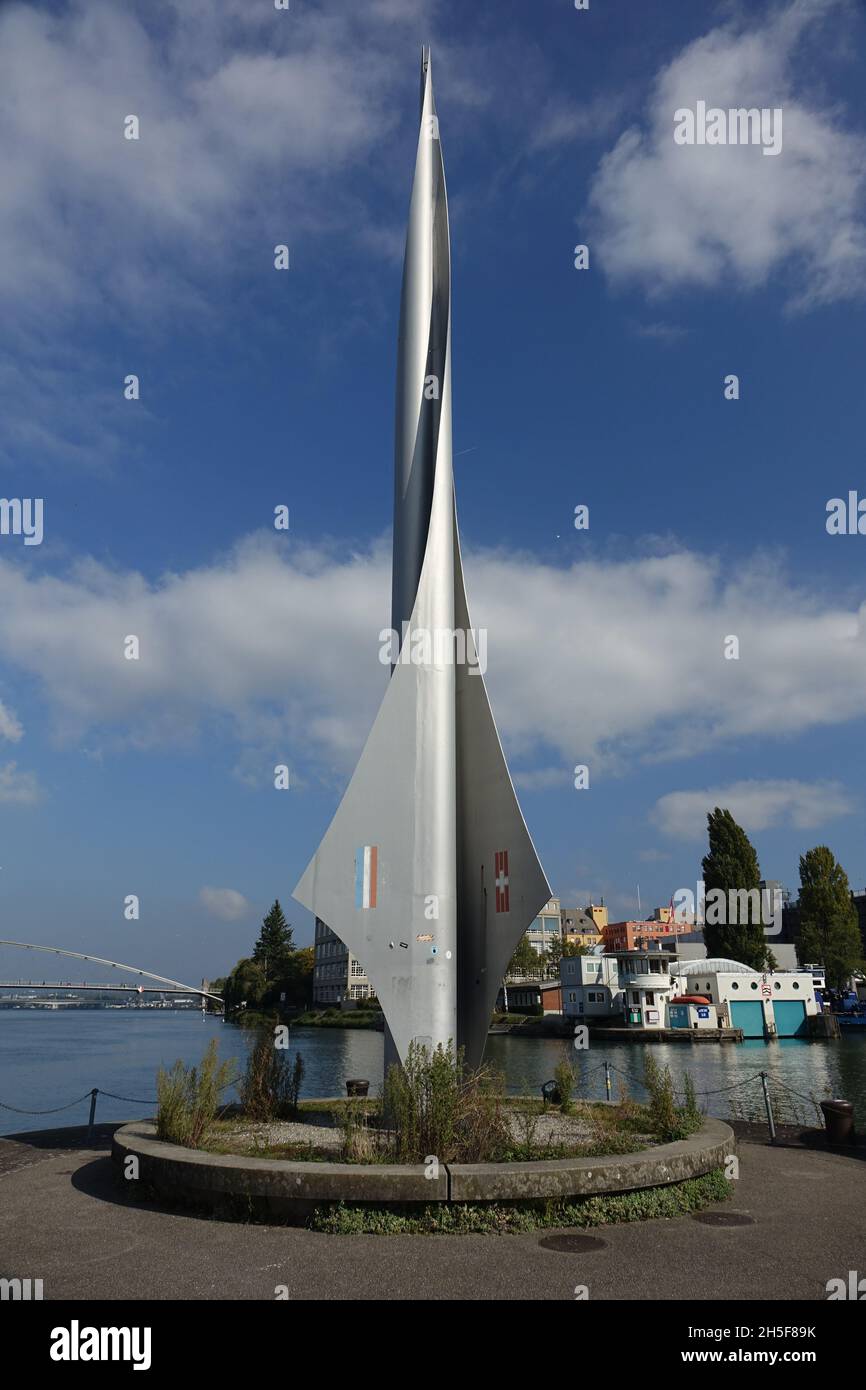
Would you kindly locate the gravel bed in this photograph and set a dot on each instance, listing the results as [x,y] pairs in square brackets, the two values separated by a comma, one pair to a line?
[321,1132]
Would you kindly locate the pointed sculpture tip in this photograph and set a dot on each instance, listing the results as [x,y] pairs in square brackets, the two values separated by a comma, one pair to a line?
[425,70]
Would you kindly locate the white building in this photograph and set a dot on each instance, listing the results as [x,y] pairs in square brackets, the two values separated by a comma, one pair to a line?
[645,979]
[590,987]
[337,974]
[693,1011]
[633,984]
[772,1004]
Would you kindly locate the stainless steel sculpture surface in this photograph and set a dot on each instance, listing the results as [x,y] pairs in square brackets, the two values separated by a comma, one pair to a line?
[427,871]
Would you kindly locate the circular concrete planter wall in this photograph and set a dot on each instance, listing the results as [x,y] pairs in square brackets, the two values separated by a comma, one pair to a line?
[268,1187]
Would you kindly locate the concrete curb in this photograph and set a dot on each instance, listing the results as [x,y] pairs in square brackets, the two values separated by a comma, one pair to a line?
[278,1187]
[590,1177]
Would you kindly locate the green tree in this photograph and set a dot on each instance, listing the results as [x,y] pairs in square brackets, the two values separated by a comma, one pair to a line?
[246,984]
[555,952]
[296,980]
[829,932]
[573,948]
[274,948]
[525,961]
[732,877]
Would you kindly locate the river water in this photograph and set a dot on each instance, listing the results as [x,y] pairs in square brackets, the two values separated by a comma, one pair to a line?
[49,1058]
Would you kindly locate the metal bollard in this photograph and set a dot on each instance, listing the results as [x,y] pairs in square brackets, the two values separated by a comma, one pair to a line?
[769,1106]
[93,1094]
[607,1078]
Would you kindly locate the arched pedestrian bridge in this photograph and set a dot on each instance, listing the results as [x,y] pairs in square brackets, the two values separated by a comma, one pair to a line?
[164,984]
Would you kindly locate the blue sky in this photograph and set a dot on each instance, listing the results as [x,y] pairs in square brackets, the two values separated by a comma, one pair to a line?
[261,388]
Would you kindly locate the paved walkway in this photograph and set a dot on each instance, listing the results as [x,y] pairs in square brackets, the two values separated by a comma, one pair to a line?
[64,1220]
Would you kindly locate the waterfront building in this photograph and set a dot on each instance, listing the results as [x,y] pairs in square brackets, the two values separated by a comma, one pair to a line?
[590,987]
[645,979]
[693,1011]
[530,997]
[764,1005]
[338,976]
[633,986]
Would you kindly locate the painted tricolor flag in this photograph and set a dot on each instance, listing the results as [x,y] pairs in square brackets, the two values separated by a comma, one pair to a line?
[500,880]
[366,873]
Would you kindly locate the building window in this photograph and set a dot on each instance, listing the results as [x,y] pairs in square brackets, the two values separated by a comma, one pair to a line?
[650,999]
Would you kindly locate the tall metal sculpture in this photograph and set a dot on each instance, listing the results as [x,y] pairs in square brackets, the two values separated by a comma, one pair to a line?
[427,871]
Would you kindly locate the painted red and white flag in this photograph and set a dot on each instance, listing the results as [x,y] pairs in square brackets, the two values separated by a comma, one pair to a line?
[500,879]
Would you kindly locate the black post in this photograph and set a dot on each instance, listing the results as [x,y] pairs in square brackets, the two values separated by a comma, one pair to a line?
[769,1108]
[93,1094]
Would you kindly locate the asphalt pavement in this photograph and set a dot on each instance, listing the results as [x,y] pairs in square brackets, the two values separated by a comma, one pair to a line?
[797,1219]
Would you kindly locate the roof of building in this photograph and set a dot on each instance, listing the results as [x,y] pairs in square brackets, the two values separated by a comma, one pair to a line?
[715,966]
[575,919]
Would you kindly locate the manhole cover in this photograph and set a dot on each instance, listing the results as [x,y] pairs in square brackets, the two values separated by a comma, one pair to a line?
[572,1245]
[723,1218]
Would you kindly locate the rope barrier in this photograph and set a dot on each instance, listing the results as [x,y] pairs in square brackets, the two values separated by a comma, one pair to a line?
[56,1111]
[133,1100]
[91,1095]
[581,1084]
[774,1081]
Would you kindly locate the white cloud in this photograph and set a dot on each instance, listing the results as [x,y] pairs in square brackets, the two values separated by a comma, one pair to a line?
[667,215]
[563,121]
[226,903]
[652,856]
[232,111]
[660,332]
[10,725]
[19,788]
[756,805]
[277,650]
[542,779]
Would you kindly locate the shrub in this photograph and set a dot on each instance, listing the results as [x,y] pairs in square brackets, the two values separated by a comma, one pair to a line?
[189,1098]
[495,1218]
[691,1111]
[669,1121]
[271,1085]
[662,1107]
[361,1144]
[564,1078]
[434,1105]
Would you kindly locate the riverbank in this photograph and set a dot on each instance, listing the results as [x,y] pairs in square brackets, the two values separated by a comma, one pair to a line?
[371,1019]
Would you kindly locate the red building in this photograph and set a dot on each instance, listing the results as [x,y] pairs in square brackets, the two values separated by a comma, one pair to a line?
[637,936]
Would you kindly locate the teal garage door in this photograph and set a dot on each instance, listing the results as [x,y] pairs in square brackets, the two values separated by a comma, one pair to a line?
[790,1018]
[749,1016]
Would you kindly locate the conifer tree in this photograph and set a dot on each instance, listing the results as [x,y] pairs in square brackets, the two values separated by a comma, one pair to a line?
[274,946]
[732,921]
[829,931]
